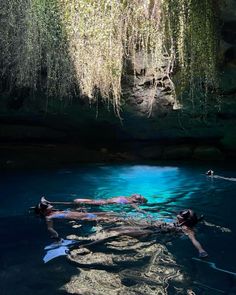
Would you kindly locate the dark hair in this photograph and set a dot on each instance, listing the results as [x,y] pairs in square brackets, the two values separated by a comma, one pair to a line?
[139,198]
[189,217]
[39,208]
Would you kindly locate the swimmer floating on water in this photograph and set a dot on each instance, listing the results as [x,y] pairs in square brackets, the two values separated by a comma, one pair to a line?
[211,174]
[187,219]
[47,211]
[133,200]
[185,222]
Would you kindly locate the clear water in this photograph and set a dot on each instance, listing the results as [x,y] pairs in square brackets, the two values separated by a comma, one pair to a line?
[168,190]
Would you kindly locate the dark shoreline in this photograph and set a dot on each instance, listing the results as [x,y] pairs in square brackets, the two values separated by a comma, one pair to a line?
[39,155]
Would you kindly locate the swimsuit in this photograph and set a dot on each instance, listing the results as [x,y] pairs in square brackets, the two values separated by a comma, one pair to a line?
[57,216]
[122,200]
[91,215]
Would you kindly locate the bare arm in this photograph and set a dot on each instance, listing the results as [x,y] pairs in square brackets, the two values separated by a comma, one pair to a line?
[53,232]
[221,228]
[61,203]
[44,200]
[137,208]
[190,233]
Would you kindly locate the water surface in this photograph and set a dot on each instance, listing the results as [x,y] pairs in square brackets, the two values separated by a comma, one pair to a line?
[168,190]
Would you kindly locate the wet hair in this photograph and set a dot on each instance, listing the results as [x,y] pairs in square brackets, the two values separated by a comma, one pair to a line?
[40,208]
[189,218]
[139,198]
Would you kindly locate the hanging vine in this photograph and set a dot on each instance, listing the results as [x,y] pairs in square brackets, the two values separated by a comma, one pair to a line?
[60,46]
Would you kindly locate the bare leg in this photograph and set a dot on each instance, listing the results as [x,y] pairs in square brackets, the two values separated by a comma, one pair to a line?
[62,203]
[89,202]
[43,200]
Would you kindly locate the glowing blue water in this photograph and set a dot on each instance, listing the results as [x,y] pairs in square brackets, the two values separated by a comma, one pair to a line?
[167,188]
[170,188]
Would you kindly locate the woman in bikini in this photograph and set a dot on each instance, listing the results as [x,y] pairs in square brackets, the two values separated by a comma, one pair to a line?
[47,211]
[133,200]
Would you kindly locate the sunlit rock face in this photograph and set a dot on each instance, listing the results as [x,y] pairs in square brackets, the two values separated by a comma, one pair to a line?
[166,128]
[126,266]
[146,92]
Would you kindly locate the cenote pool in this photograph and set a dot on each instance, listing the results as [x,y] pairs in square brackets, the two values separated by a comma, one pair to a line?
[168,188]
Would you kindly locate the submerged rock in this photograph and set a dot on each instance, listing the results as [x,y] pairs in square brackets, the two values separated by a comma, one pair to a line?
[91,259]
[124,265]
[94,282]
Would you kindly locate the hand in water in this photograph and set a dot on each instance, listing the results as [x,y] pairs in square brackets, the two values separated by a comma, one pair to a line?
[203,254]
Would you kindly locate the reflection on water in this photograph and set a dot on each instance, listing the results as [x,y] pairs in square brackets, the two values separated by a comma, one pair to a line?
[168,190]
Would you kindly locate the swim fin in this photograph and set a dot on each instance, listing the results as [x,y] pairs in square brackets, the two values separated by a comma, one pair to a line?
[51,254]
[60,244]
[55,250]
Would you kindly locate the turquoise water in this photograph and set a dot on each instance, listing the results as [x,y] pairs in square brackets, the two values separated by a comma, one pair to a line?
[168,190]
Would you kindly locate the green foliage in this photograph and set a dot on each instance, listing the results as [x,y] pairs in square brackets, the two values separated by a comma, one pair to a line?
[60,46]
[194,28]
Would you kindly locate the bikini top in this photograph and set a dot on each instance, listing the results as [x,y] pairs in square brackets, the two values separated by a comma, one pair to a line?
[56,214]
[122,200]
